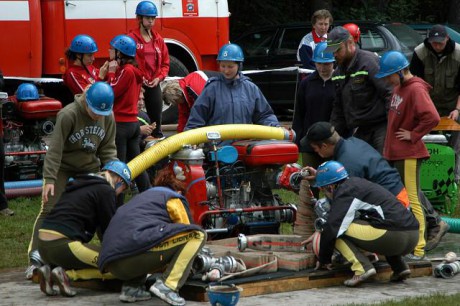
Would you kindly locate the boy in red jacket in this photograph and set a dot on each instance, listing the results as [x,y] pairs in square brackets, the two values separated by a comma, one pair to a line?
[412,114]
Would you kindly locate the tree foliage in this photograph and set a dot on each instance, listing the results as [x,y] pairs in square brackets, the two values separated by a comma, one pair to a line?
[247,14]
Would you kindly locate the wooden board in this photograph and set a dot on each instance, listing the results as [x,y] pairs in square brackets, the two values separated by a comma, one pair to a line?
[447,124]
[302,280]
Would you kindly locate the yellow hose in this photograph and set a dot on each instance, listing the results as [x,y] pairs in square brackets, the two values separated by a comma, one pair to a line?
[172,144]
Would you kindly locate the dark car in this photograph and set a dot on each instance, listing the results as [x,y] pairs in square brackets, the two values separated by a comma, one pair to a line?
[424,28]
[275,47]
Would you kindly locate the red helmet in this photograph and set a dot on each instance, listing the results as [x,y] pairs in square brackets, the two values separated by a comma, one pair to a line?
[354,31]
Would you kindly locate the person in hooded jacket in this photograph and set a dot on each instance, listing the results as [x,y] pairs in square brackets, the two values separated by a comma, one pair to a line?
[412,115]
[83,140]
[152,57]
[85,207]
[126,81]
[232,97]
[153,231]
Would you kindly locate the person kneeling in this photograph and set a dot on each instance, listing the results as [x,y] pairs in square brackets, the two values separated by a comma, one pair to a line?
[153,231]
[364,216]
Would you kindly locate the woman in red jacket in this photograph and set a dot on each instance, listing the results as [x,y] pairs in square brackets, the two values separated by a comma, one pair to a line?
[412,114]
[81,71]
[126,81]
[153,59]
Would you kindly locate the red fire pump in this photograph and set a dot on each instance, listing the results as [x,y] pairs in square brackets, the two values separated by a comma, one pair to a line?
[26,124]
[230,188]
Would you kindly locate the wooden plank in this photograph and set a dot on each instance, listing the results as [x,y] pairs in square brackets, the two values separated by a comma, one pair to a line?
[447,124]
[303,280]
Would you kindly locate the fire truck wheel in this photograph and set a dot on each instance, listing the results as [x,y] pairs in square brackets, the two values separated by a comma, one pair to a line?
[176,68]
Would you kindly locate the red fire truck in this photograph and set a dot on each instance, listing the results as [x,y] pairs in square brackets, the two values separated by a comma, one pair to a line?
[36,33]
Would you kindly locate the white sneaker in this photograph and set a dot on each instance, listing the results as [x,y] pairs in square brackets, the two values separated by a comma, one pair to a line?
[30,271]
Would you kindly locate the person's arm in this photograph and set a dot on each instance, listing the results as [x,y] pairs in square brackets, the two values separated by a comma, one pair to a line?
[122,82]
[53,157]
[306,56]
[425,113]
[178,212]
[339,219]
[75,81]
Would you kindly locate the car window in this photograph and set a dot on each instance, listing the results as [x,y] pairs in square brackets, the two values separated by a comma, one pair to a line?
[408,37]
[289,41]
[256,43]
[372,40]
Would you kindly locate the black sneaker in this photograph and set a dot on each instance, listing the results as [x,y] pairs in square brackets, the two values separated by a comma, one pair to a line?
[399,277]
[131,294]
[166,294]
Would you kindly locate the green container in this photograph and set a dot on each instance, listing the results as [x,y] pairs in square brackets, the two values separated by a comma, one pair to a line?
[437,178]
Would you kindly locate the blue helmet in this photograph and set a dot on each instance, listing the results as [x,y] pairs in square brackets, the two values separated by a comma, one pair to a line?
[83,44]
[27,92]
[330,172]
[319,56]
[230,52]
[391,62]
[119,168]
[99,98]
[146,8]
[124,44]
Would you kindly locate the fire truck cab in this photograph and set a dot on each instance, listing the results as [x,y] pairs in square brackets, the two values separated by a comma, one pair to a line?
[36,33]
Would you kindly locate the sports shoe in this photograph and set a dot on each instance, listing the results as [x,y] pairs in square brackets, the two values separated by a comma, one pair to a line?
[399,277]
[433,241]
[358,279]
[166,294]
[46,284]
[6,212]
[60,278]
[30,271]
[412,257]
[131,294]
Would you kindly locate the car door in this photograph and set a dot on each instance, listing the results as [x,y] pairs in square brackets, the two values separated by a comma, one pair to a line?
[283,79]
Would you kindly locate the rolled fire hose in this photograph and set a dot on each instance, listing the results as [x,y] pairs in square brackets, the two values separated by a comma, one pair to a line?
[172,144]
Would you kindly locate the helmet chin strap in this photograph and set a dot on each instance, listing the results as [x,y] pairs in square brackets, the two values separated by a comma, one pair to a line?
[145,29]
[83,64]
[401,76]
